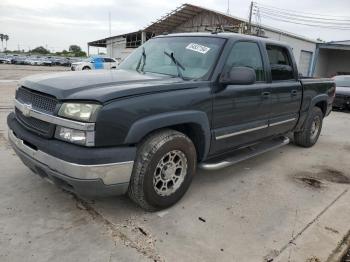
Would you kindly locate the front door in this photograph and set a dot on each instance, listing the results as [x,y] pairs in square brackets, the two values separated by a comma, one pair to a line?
[98,63]
[241,112]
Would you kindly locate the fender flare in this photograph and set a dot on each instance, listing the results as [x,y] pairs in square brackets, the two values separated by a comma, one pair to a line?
[314,101]
[317,99]
[146,125]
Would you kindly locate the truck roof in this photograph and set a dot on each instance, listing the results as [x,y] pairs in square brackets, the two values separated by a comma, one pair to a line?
[227,36]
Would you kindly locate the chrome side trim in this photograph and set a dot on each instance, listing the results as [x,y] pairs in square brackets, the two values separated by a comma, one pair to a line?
[28,111]
[254,129]
[282,122]
[113,173]
[241,132]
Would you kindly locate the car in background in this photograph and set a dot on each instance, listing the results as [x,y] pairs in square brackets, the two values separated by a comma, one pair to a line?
[46,61]
[95,62]
[33,61]
[19,60]
[5,60]
[342,95]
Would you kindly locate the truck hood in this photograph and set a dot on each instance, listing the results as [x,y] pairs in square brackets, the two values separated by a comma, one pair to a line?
[101,85]
[342,90]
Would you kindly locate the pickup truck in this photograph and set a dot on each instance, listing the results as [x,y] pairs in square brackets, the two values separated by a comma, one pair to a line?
[178,102]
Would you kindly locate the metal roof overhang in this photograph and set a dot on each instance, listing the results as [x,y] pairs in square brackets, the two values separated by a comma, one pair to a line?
[334,47]
[181,15]
[99,43]
[103,42]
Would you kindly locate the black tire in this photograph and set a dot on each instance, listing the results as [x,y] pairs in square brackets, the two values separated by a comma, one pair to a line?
[309,136]
[86,68]
[150,153]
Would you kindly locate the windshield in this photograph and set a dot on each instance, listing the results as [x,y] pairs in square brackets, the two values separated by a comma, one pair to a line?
[88,60]
[343,81]
[193,56]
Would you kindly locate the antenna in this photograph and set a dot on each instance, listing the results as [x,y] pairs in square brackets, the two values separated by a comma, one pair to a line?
[228,7]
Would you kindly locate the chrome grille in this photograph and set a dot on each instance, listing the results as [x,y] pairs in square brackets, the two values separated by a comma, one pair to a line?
[38,101]
[34,124]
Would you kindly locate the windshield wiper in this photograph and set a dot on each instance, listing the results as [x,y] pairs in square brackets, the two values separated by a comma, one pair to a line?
[177,63]
[143,56]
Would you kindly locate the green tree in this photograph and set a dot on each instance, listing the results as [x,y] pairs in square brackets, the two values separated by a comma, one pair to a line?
[2,40]
[6,38]
[74,48]
[40,50]
[80,54]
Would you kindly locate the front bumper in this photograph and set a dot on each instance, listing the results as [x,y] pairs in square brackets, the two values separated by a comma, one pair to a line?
[84,176]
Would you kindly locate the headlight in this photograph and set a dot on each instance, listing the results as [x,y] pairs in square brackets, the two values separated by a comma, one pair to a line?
[85,138]
[80,111]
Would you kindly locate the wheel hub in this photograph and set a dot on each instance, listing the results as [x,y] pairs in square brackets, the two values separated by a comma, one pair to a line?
[315,126]
[170,173]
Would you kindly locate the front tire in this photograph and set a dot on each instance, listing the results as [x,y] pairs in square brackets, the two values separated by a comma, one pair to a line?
[163,171]
[86,68]
[313,125]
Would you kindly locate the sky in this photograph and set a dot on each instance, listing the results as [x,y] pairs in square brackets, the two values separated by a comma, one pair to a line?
[56,24]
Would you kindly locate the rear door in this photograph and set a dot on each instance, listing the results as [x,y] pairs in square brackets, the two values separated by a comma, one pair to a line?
[285,89]
[107,63]
[241,112]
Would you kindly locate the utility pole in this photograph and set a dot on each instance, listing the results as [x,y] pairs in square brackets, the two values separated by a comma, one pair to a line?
[109,22]
[250,17]
[228,7]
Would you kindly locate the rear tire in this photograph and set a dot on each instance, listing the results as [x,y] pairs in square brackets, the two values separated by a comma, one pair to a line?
[313,125]
[163,171]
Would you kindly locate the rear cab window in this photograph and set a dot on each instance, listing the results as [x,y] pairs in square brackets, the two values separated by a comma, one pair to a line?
[280,63]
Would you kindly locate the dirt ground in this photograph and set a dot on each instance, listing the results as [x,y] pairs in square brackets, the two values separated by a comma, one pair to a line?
[291,204]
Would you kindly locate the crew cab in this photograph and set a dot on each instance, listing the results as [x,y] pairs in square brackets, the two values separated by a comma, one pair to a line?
[178,102]
[95,62]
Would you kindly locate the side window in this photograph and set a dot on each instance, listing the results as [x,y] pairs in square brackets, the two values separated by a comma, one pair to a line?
[109,60]
[247,54]
[280,63]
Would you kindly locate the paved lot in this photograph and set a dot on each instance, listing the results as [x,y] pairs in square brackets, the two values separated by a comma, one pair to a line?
[291,204]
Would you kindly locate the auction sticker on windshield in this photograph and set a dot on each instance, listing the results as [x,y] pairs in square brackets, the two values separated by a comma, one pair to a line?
[198,48]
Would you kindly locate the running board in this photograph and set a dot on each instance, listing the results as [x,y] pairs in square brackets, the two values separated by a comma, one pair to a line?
[245,153]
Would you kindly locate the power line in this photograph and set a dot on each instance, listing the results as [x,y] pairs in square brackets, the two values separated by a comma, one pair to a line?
[306,24]
[295,17]
[304,19]
[262,9]
[300,12]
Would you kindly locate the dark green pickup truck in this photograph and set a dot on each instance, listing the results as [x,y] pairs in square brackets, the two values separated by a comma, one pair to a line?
[176,103]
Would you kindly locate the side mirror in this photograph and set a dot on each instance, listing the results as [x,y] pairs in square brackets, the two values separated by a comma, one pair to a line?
[238,76]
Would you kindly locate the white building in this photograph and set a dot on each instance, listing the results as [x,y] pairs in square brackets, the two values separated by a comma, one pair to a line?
[191,18]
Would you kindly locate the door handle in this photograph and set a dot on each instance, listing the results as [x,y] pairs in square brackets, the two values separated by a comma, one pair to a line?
[266,94]
[294,92]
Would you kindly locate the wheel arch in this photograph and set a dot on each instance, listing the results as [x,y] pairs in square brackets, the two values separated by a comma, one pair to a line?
[319,101]
[194,124]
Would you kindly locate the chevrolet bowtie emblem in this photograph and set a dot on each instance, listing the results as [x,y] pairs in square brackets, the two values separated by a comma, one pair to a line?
[26,109]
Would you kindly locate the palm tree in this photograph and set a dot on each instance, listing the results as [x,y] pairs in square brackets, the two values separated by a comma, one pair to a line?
[2,40]
[6,38]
